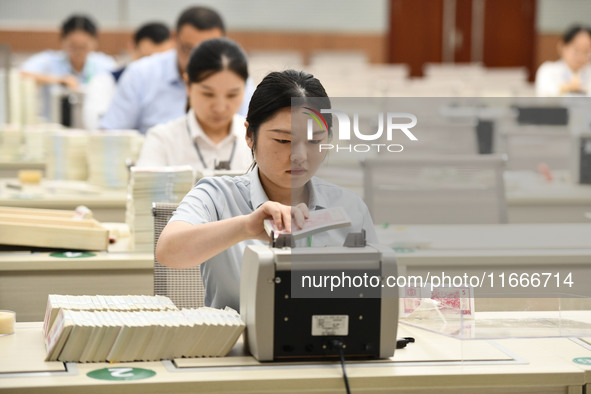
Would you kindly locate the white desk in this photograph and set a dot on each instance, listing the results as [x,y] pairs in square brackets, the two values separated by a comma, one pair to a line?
[520,248]
[26,279]
[434,364]
[107,205]
[561,349]
[568,350]
[531,199]
[448,237]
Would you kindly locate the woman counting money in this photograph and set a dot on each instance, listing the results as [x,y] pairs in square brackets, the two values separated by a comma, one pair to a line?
[222,215]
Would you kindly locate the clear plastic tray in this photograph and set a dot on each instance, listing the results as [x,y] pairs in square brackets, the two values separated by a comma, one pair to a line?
[498,318]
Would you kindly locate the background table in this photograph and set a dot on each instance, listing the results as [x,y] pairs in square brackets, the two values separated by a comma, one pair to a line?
[27,278]
[107,205]
[494,250]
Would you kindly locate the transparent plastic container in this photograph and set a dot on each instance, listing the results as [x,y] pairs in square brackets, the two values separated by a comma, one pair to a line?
[566,315]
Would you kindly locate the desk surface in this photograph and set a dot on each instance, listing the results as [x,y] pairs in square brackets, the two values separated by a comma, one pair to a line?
[108,205]
[432,364]
[530,188]
[561,349]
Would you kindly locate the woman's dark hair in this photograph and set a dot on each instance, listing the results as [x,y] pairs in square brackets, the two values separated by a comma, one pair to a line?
[201,18]
[276,92]
[156,32]
[572,32]
[215,55]
[79,22]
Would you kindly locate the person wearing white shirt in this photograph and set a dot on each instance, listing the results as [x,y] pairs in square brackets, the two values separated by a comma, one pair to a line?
[571,75]
[152,90]
[211,135]
[149,39]
[220,216]
[74,66]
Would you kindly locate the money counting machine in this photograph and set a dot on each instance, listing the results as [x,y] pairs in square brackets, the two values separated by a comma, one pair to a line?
[287,320]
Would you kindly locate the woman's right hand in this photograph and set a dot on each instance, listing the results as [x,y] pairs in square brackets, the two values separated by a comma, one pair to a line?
[281,215]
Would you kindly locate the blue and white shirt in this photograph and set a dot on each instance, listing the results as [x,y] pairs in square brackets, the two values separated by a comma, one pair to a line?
[57,64]
[552,75]
[151,91]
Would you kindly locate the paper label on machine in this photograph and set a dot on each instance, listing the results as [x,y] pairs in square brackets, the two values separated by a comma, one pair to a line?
[330,325]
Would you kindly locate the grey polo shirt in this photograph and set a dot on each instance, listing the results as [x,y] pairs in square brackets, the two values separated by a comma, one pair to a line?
[225,197]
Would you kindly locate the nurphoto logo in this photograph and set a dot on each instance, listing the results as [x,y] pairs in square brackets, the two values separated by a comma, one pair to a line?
[395,121]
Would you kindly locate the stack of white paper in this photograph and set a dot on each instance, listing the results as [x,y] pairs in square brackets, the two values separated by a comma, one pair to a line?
[55,302]
[11,137]
[15,107]
[35,138]
[28,88]
[112,335]
[147,186]
[3,98]
[108,155]
[66,155]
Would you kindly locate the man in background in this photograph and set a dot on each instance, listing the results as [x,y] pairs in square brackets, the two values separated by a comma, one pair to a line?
[152,90]
[149,39]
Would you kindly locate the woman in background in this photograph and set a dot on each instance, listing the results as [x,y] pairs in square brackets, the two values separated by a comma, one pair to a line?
[571,75]
[211,134]
[74,65]
[222,215]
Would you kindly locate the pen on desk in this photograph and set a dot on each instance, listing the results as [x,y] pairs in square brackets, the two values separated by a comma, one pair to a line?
[14,186]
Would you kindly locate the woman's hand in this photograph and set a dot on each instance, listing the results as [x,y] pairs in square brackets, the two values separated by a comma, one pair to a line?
[281,214]
[573,86]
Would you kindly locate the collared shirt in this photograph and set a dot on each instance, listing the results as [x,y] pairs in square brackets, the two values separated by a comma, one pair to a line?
[57,64]
[171,144]
[151,91]
[552,75]
[220,198]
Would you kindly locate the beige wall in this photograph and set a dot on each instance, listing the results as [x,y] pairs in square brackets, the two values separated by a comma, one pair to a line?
[547,47]
[374,44]
[116,42]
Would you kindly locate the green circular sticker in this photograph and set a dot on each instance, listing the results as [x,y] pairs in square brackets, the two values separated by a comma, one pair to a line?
[72,255]
[582,360]
[121,373]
